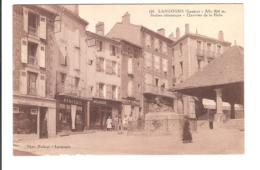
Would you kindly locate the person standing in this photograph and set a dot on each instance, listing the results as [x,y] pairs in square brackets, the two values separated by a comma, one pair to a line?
[109,123]
[120,127]
[186,135]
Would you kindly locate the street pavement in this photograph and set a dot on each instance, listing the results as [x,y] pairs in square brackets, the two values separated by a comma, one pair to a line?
[205,141]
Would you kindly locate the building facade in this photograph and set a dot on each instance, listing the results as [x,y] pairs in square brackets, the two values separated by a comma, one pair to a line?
[104,73]
[192,52]
[131,81]
[33,96]
[156,69]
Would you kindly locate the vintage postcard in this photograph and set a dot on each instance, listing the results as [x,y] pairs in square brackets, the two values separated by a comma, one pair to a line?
[142,79]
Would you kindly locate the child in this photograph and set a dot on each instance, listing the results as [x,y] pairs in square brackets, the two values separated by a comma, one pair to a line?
[109,123]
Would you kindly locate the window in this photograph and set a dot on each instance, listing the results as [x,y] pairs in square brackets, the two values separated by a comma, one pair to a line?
[198,45]
[181,66]
[108,66]
[148,79]
[130,65]
[101,90]
[114,67]
[76,82]
[148,60]
[99,45]
[173,71]
[108,91]
[33,23]
[100,64]
[164,47]
[199,64]
[32,77]
[165,65]
[77,59]
[208,46]
[157,62]
[63,57]
[113,50]
[32,53]
[147,40]
[180,48]
[156,44]
[63,77]
[219,49]
[114,92]
[157,82]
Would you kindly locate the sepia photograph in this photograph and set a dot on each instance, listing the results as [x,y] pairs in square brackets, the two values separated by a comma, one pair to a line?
[127,79]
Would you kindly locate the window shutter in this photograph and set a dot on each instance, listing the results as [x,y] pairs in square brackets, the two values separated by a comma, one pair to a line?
[118,93]
[41,86]
[77,38]
[24,50]
[42,56]
[25,19]
[97,90]
[118,69]
[43,27]
[23,82]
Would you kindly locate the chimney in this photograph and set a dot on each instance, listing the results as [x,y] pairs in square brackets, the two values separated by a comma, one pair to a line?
[178,33]
[126,18]
[161,31]
[187,28]
[221,36]
[100,28]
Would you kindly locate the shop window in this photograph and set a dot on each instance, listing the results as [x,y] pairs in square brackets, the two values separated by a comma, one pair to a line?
[32,78]
[32,53]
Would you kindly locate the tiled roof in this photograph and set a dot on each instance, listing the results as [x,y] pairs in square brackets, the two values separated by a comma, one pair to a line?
[227,69]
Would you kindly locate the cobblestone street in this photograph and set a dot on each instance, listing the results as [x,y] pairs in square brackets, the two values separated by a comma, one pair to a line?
[217,141]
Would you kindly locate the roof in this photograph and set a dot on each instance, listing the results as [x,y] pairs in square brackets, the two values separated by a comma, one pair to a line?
[227,69]
[131,33]
[202,37]
[128,32]
[102,37]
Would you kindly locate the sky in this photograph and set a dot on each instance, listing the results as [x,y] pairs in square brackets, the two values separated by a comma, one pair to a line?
[230,20]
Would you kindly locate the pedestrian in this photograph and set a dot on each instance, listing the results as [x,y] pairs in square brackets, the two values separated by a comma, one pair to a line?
[109,123]
[130,124]
[120,127]
[186,135]
[125,123]
[115,123]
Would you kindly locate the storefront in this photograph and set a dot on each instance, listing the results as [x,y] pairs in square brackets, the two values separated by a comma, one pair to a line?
[101,109]
[33,115]
[132,108]
[72,113]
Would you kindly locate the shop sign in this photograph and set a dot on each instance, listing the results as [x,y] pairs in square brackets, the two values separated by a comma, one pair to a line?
[103,102]
[73,101]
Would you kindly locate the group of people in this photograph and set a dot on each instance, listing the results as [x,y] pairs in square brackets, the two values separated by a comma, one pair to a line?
[119,124]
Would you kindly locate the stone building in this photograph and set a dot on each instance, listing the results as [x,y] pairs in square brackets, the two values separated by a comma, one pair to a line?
[191,53]
[156,70]
[104,77]
[69,71]
[34,108]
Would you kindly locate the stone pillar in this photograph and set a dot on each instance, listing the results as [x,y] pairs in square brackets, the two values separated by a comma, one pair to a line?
[232,110]
[51,121]
[219,110]
[88,115]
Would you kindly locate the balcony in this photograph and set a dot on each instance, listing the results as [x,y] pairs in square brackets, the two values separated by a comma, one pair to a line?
[32,31]
[151,89]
